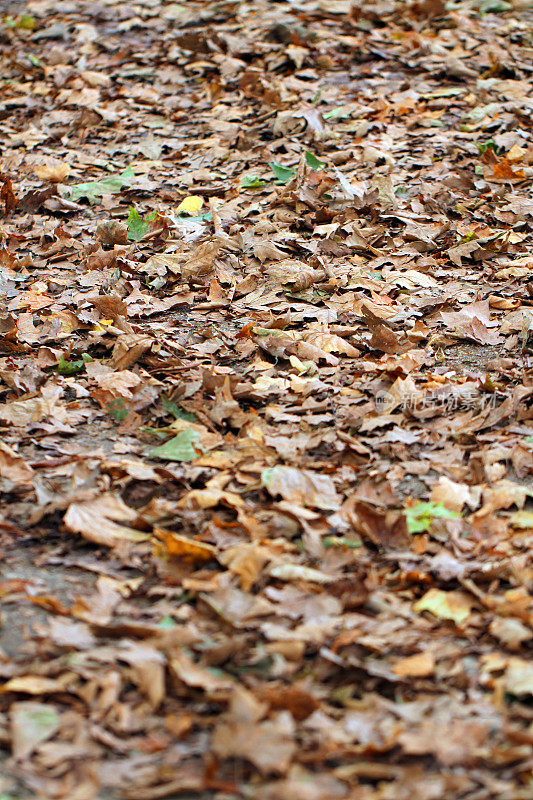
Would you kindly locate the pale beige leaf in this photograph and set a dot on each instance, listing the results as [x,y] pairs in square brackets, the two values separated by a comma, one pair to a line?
[97,520]
[13,467]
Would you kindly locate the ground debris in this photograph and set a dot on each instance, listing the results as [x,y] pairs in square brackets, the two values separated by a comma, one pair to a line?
[266,418]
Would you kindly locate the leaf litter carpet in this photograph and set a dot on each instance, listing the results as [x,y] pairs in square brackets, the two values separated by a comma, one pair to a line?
[266,393]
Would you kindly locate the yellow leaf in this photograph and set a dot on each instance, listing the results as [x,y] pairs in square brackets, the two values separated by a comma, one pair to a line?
[177,546]
[191,205]
[99,326]
[36,684]
[522,519]
[445,605]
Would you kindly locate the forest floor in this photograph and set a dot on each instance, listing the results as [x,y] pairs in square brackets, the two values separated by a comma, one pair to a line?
[266,400]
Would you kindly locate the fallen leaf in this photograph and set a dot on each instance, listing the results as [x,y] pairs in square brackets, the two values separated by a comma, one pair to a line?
[52,170]
[519,677]
[191,205]
[98,521]
[13,466]
[418,666]
[301,487]
[445,605]
[183,447]
[298,572]
[177,546]
[31,724]
[268,744]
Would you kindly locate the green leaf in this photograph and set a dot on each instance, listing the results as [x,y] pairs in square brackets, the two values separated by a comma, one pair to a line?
[35,61]
[446,91]
[137,227]
[176,411]
[313,161]
[341,541]
[68,368]
[259,331]
[482,147]
[283,174]
[94,189]
[493,6]
[420,516]
[337,113]
[252,182]
[182,447]
[167,623]
[26,22]
[479,113]
[118,409]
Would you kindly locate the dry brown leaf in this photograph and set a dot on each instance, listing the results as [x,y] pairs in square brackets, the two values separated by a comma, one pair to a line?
[98,521]
[128,349]
[22,413]
[302,487]
[418,666]
[14,467]
[269,744]
[200,262]
[52,170]
[31,724]
[184,668]
[245,560]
